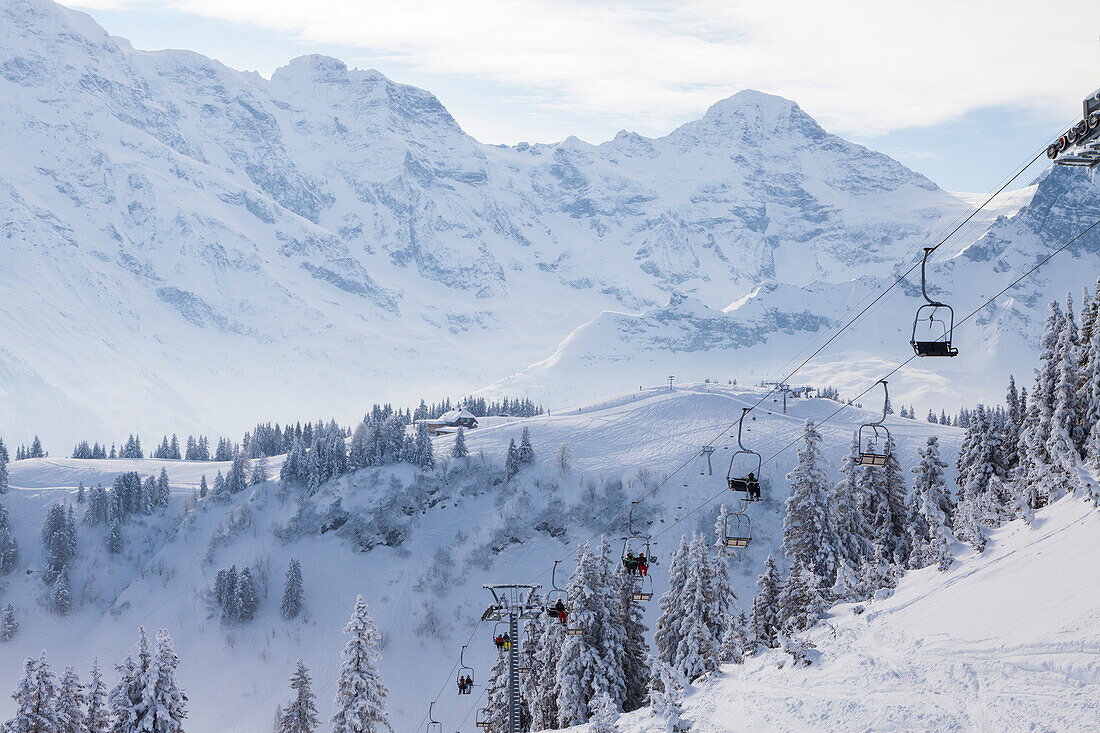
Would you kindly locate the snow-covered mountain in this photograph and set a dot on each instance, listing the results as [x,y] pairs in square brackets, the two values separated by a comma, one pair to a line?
[769,331]
[182,240]
[419,546]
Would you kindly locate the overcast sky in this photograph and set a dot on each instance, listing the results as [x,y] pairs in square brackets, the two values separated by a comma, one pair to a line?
[961,90]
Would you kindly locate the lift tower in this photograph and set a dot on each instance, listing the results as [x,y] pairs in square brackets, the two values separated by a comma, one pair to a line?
[512,604]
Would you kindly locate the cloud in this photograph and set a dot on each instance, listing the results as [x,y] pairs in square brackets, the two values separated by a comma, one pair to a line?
[861,67]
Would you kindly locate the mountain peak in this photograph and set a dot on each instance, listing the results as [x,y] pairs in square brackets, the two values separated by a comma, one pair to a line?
[752,109]
[312,68]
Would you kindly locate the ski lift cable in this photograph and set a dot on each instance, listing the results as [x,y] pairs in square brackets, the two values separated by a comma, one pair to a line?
[899,367]
[447,679]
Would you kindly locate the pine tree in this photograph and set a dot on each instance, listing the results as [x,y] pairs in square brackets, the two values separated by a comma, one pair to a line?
[424,455]
[300,714]
[70,703]
[114,537]
[8,623]
[221,493]
[163,491]
[731,649]
[3,468]
[291,606]
[526,450]
[59,541]
[127,697]
[808,533]
[97,719]
[666,694]
[361,695]
[61,597]
[929,512]
[458,450]
[163,704]
[635,649]
[801,603]
[9,548]
[604,714]
[765,607]
[496,697]
[236,479]
[36,448]
[260,471]
[248,599]
[203,488]
[511,461]
[35,699]
[850,508]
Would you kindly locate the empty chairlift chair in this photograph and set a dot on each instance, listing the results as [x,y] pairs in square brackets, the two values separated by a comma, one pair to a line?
[434,726]
[872,446]
[934,324]
[481,718]
[737,530]
[744,471]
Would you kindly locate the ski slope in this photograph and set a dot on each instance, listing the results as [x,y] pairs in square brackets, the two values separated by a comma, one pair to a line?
[1004,641]
[426,608]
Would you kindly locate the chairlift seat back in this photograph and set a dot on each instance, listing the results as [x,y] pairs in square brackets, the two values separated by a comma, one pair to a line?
[934,348]
[737,542]
[871,459]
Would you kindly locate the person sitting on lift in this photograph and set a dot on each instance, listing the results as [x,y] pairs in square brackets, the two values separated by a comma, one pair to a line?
[499,641]
[461,685]
[507,642]
[753,487]
[559,609]
[631,563]
[643,565]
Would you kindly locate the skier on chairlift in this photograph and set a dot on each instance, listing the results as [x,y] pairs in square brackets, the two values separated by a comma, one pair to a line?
[559,609]
[754,487]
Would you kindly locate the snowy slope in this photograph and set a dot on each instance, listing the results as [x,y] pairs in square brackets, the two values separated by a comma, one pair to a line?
[182,240]
[425,607]
[1005,641]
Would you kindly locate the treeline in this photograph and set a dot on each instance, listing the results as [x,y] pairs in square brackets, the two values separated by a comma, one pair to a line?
[148,696]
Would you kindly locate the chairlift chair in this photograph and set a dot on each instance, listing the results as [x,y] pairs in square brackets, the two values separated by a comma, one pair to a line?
[934,320]
[434,726]
[481,718]
[870,433]
[637,544]
[738,534]
[737,477]
[464,670]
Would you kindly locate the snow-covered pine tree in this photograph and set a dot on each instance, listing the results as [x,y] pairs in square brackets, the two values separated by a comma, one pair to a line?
[765,607]
[424,456]
[801,602]
[526,450]
[459,450]
[731,649]
[162,489]
[35,699]
[360,694]
[666,695]
[248,599]
[70,703]
[260,472]
[97,719]
[983,497]
[204,489]
[300,714]
[126,697]
[929,512]
[3,468]
[511,461]
[114,537]
[61,597]
[850,513]
[809,536]
[291,607]
[635,649]
[9,548]
[896,492]
[221,493]
[8,623]
[59,542]
[236,479]
[594,657]
[541,686]
[496,697]
[604,714]
[163,704]
[702,621]
[667,630]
